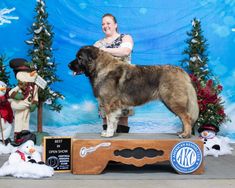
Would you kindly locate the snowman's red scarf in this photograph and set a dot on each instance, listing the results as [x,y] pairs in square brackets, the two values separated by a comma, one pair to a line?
[5,109]
[22,155]
[30,86]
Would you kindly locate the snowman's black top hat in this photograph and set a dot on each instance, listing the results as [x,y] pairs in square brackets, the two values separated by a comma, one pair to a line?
[20,64]
[23,137]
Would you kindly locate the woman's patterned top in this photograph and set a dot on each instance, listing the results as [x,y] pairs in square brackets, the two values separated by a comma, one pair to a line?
[115,44]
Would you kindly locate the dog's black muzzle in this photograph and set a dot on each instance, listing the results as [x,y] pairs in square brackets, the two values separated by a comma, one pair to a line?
[73,65]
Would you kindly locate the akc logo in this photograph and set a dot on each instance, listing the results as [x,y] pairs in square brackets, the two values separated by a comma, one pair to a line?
[186,157]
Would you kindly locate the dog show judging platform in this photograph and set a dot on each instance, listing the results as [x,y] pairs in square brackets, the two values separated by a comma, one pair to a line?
[91,153]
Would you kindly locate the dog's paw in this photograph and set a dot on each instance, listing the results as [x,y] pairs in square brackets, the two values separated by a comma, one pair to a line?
[184,135]
[179,133]
[103,133]
[106,134]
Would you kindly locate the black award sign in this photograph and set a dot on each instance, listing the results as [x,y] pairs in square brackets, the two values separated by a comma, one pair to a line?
[57,153]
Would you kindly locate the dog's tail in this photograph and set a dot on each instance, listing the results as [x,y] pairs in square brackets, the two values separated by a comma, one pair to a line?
[193,108]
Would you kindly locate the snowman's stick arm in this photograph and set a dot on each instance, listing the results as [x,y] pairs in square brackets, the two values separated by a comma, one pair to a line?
[3,141]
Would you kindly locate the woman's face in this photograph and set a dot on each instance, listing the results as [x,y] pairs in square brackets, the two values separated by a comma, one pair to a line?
[108,26]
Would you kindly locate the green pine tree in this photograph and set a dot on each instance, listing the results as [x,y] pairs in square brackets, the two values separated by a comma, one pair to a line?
[41,54]
[196,57]
[4,75]
[206,85]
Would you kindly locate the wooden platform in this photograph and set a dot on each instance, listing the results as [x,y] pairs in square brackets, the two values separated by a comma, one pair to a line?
[91,153]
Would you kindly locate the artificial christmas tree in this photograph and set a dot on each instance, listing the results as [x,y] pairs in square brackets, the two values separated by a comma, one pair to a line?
[41,53]
[207,86]
[4,75]
[6,114]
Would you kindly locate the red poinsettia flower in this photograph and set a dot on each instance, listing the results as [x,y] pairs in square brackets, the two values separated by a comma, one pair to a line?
[208,100]
[202,105]
[209,83]
[195,80]
[193,77]
[221,112]
[212,99]
[220,88]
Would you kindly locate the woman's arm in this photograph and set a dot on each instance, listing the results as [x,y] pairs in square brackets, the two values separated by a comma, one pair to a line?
[125,48]
[98,44]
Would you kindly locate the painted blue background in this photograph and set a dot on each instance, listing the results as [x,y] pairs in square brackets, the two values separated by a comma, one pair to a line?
[158,28]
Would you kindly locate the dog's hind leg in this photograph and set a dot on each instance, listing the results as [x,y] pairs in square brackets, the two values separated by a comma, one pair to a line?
[187,127]
[179,107]
[112,120]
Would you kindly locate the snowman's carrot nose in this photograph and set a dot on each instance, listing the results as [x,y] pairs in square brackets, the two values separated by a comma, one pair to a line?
[33,73]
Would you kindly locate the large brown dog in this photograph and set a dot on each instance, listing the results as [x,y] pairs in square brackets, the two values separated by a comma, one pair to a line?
[118,85]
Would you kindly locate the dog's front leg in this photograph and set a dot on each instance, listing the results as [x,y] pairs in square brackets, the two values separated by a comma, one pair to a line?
[112,120]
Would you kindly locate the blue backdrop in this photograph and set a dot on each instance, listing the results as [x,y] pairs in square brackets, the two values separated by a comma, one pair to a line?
[159,31]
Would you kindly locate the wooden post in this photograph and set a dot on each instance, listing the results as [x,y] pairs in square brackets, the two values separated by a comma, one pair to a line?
[40,110]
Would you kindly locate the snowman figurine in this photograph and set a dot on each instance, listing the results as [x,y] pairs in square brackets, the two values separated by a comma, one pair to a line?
[208,134]
[26,151]
[24,97]
[6,115]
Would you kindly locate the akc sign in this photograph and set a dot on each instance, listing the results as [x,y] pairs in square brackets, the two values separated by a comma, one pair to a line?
[186,157]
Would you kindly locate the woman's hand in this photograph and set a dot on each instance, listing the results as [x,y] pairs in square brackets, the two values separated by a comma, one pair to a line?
[123,50]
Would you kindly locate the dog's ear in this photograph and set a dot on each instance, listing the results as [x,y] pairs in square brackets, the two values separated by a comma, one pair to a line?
[91,52]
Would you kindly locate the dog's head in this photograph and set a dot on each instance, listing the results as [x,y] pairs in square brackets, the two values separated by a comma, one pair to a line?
[84,59]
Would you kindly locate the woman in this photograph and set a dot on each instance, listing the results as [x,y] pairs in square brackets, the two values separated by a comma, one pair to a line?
[120,46]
